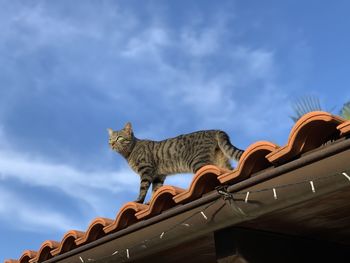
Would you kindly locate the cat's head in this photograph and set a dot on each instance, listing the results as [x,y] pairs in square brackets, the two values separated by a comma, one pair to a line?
[122,141]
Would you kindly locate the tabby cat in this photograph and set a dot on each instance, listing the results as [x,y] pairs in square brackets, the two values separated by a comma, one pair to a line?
[154,160]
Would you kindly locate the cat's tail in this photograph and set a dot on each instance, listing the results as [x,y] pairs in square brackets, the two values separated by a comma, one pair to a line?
[227,148]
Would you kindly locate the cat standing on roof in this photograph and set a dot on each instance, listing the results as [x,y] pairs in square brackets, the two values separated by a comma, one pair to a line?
[154,160]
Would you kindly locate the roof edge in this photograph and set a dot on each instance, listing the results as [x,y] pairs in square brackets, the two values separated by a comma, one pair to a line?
[317,155]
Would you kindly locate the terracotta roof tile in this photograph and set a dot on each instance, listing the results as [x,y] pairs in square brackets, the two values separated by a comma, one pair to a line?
[252,160]
[27,255]
[310,132]
[95,230]
[44,251]
[344,128]
[204,181]
[125,217]
[161,200]
[68,242]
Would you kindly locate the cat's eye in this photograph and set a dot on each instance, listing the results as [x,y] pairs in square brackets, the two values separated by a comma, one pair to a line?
[120,139]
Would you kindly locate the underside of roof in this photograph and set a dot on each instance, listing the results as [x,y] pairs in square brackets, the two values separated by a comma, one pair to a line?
[298,189]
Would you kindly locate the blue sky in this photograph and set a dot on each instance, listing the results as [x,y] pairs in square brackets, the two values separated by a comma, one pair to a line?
[71,69]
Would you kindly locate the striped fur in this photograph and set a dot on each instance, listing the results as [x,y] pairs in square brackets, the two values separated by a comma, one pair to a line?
[154,160]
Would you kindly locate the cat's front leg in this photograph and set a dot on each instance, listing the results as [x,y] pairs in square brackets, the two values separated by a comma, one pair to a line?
[144,186]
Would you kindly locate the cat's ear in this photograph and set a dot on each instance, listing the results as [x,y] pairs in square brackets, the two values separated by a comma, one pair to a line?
[110,131]
[128,128]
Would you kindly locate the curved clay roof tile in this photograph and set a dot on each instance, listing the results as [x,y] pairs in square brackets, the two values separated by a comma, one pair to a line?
[344,128]
[25,257]
[68,242]
[309,132]
[44,251]
[95,230]
[161,200]
[125,217]
[205,180]
[252,161]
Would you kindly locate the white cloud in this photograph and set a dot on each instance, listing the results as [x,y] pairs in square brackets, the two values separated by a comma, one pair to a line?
[213,95]
[148,50]
[92,189]
[148,41]
[177,65]
[39,172]
[29,216]
[83,186]
[258,63]
[202,43]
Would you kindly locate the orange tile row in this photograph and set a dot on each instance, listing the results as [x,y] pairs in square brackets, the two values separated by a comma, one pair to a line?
[310,132]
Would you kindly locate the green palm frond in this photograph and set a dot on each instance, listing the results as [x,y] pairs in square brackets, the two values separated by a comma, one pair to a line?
[345,111]
[304,105]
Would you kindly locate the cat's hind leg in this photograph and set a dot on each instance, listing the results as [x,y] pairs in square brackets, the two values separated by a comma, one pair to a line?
[199,163]
[222,161]
[158,182]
